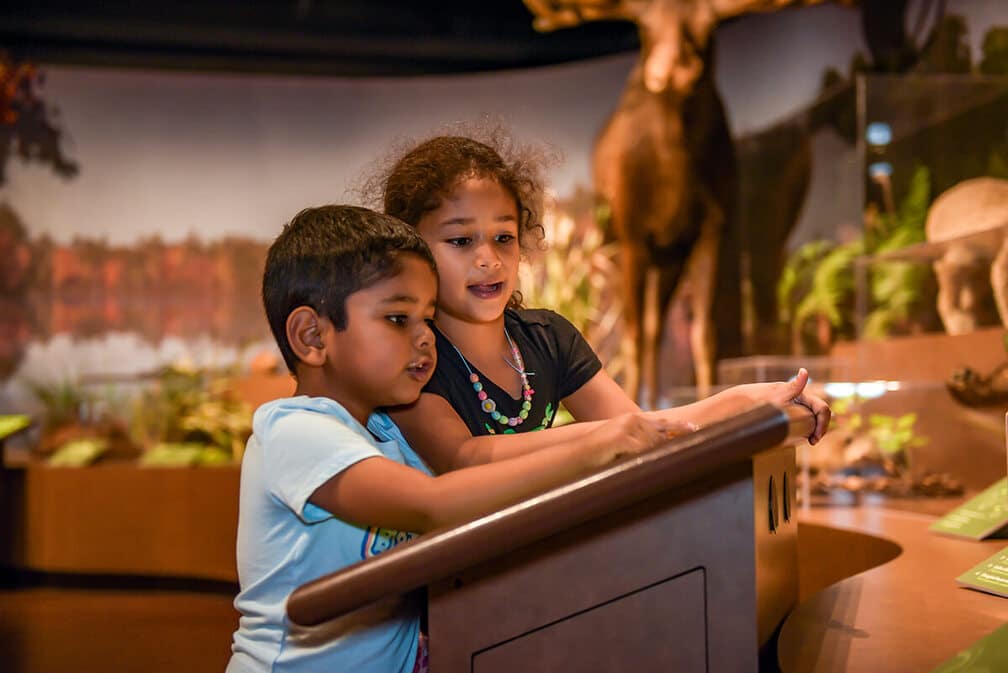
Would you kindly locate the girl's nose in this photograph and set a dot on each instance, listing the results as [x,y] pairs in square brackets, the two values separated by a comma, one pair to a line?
[487,258]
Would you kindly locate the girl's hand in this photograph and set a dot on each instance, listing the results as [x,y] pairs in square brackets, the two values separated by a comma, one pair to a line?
[792,392]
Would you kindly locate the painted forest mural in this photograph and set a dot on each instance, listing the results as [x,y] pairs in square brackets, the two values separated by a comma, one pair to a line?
[136,207]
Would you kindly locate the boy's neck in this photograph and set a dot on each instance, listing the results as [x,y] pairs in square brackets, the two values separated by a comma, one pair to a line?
[311,383]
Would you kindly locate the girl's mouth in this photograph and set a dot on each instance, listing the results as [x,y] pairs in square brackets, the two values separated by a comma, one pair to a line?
[486,290]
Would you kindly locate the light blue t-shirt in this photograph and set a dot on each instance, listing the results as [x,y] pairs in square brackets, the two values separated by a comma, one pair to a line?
[297,445]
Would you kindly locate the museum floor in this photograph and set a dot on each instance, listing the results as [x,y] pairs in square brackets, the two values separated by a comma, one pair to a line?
[46,629]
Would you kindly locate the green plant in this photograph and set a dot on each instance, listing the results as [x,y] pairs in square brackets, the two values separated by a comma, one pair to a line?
[576,276]
[894,435]
[78,453]
[63,402]
[818,281]
[891,437]
[188,407]
[897,288]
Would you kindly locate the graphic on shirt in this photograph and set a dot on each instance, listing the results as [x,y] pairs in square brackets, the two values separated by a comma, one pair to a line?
[547,418]
[378,540]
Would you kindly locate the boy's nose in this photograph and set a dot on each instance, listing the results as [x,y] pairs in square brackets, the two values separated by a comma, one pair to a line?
[425,338]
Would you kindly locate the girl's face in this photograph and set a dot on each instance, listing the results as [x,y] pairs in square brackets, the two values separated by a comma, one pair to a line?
[474,237]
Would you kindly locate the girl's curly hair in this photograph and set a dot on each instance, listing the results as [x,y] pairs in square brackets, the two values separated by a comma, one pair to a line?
[418,176]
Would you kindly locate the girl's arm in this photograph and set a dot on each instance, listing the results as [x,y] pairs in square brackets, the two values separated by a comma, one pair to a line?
[381,492]
[599,399]
[742,397]
[438,434]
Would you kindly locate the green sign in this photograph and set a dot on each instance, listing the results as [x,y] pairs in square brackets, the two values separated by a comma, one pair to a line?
[987,655]
[990,575]
[978,518]
[11,424]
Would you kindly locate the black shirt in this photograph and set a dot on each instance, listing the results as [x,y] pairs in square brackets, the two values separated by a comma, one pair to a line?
[557,359]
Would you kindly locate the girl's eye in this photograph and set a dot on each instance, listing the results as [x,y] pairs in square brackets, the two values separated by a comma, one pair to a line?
[459,242]
[397,320]
[505,238]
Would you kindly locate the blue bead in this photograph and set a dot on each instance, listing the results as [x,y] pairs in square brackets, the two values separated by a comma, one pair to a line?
[477,386]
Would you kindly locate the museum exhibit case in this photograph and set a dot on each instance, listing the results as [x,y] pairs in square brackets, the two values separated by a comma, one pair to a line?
[934,155]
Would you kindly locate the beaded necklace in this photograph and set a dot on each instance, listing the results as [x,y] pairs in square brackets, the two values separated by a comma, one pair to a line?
[486,403]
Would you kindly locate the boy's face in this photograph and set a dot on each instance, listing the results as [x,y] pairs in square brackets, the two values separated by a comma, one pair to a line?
[474,237]
[386,354]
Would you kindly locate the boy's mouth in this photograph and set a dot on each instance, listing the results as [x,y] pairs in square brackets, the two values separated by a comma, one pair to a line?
[421,369]
[486,290]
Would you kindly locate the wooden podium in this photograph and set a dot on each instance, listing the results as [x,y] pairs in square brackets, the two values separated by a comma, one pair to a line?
[682,559]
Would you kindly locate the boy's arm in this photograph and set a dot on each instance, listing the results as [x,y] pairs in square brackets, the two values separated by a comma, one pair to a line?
[435,431]
[380,492]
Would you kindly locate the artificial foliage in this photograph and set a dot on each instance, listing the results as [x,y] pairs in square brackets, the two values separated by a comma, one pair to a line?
[819,284]
[576,275]
[185,416]
[185,409]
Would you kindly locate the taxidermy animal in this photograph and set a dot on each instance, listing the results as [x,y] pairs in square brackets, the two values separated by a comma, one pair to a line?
[666,166]
[969,209]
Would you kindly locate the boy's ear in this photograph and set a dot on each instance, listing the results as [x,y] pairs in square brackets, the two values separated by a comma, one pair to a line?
[304,334]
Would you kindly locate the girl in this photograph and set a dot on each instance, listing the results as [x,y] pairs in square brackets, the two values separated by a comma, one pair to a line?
[503,370]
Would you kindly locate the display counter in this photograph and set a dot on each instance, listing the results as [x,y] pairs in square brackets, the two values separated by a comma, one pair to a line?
[895,605]
[682,558]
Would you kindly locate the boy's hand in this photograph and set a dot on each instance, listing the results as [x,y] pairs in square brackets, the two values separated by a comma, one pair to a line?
[625,435]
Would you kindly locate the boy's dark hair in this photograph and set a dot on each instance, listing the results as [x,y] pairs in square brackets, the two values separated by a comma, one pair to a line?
[324,255]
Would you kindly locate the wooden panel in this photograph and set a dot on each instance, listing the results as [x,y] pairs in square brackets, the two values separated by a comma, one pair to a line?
[47,630]
[125,519]
[776,545]
[709,526]
[669,625]
[926,357]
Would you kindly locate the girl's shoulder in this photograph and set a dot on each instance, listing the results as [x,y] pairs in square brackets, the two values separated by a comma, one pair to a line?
[544,322]
[541,317]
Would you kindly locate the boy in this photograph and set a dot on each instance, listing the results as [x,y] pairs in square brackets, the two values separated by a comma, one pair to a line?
[326,481]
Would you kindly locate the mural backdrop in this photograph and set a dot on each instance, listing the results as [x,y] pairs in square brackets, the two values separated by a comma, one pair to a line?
[152,251]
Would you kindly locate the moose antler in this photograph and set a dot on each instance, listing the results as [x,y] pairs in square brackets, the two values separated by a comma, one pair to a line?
[555,14]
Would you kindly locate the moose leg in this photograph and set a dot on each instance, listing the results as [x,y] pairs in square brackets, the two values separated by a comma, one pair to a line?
[634,264]
[650,340]
[700,277]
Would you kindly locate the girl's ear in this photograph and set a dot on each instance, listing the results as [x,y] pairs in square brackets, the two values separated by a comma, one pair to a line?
[304,334]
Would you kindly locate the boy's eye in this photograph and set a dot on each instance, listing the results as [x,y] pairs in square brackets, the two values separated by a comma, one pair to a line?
[459,242]
[398,320]
[430,322]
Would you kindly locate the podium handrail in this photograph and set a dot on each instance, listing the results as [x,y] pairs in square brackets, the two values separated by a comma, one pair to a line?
[444,552]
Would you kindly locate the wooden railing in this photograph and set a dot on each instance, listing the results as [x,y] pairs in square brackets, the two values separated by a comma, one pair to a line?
[440,554]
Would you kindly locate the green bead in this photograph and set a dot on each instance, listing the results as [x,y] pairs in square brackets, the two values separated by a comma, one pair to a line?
[523,413]
[502,419]
[526,405]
